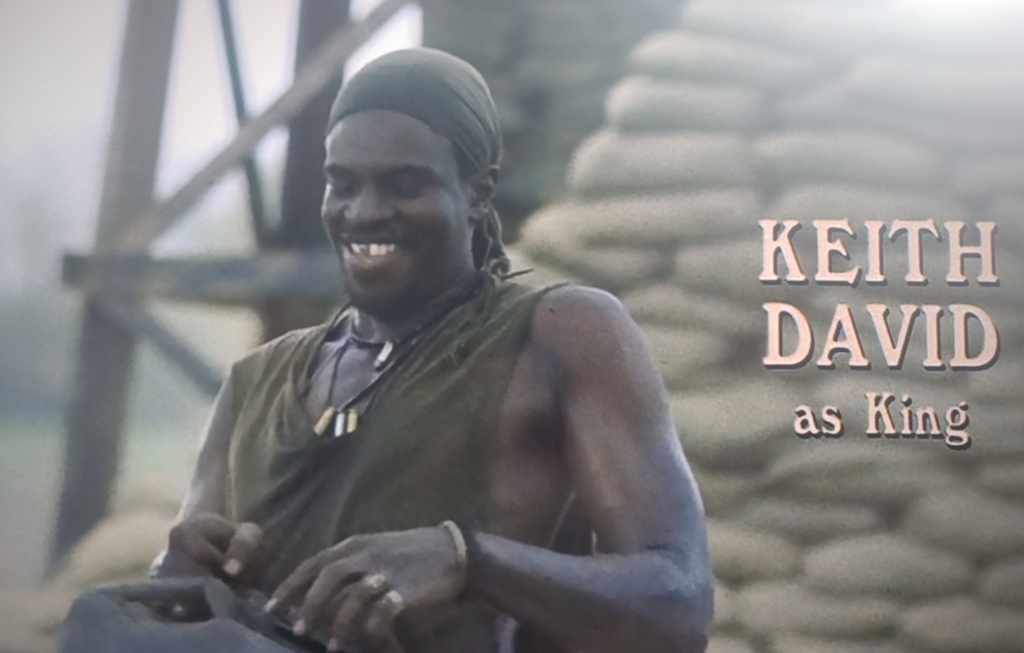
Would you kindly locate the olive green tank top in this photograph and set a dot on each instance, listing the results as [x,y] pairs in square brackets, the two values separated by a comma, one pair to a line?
[418,457]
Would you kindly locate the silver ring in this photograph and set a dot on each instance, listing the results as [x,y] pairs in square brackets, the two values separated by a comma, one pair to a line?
[375,582]
[396,600]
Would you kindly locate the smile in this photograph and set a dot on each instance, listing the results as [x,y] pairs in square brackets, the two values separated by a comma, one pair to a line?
[372,249]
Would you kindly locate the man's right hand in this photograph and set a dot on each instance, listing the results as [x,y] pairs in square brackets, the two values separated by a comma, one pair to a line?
[209,545]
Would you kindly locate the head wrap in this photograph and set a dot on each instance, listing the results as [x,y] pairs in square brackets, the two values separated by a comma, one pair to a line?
[449,96]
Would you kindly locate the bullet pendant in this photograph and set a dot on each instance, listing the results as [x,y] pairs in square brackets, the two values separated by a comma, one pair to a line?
[383,356]
[345,423]
[324,422]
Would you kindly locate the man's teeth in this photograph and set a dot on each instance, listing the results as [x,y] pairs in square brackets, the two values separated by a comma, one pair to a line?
[373,249]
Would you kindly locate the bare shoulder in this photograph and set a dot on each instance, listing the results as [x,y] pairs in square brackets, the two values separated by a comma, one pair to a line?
[580,317]
[623,453]
[574,323]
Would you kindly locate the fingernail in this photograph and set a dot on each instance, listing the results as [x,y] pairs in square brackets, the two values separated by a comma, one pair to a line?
[232,567]
[271,604]
[299,628]
[334,645]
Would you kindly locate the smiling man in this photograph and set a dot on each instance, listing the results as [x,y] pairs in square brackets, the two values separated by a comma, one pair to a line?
[456,462]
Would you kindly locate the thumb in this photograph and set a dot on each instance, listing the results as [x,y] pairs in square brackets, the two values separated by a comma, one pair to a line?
[242,548]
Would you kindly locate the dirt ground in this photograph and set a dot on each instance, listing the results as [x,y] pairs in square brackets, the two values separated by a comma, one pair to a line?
[31,457]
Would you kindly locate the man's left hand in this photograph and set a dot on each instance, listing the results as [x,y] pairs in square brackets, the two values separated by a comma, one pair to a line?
[359,586]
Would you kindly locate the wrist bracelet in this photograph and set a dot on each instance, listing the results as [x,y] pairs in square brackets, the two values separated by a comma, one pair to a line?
[461,552]
[474,568]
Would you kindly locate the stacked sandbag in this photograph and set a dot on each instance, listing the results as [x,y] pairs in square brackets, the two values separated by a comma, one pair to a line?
[119,549]
[787,109]
[549,65]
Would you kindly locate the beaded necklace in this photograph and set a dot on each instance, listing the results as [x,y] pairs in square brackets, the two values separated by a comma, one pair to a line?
[345,418]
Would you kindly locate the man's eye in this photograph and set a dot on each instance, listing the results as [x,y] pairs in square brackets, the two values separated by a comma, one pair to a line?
[408,186]
[341,188]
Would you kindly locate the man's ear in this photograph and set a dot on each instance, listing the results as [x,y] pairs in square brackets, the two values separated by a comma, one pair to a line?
[482,188]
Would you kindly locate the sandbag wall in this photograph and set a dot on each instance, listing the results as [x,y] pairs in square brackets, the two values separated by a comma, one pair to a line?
[549,64]
[787,109]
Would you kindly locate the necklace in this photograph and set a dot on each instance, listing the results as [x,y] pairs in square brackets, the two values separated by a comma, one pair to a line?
[386,347]
[346,417]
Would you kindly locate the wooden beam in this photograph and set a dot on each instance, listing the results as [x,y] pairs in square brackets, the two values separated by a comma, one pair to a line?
[252,173]
[234,281]
[96,412]
[137,320]
[323,68]
[302,189]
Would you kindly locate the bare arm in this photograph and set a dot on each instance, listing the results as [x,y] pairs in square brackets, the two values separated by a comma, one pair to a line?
[207,493]
[203,541]
[649,589]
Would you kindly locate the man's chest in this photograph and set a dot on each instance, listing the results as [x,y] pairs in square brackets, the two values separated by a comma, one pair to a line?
[342,375]
[518,417]
[526,407]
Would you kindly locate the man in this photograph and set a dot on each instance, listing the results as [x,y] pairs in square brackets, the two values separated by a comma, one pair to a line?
[397,478]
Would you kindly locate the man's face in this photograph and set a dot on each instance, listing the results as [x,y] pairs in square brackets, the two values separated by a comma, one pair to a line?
[396,211]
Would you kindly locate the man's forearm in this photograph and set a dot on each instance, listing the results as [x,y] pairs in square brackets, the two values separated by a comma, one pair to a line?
[647,601]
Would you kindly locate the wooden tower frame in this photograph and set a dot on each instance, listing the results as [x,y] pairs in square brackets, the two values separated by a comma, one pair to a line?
[119,275]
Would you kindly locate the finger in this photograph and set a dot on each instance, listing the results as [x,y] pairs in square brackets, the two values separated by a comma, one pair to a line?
[190,544]
[295,586]
[214,528]
[331,581]
[356,600]
[380,621]
[242,548]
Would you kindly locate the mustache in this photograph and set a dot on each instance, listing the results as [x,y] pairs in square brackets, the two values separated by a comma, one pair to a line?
[369,234]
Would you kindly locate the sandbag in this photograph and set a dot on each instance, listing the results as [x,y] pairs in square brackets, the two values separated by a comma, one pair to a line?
[667,305]
[684,356]
[846,156]
[717,432]
[609,163]
[887,566]
[691,56]
[788,607]
[1003,476]
[859,203]
[1003,582]
[869,471]
[742,555]
[641,103]
[801,644]
[802,521]
[721,492]
[962,624]
[968,521]
[728,644]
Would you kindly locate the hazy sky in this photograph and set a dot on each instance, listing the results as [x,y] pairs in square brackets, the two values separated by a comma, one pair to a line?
[58,67]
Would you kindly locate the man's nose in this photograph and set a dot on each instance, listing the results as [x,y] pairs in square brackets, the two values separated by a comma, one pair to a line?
[368,206]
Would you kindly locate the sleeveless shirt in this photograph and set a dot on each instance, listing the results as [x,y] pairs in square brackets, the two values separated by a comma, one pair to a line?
[418,457]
